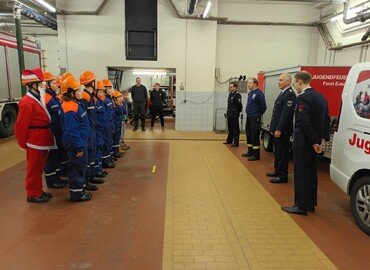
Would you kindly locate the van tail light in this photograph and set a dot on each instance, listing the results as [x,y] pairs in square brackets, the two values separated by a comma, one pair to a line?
[340,112]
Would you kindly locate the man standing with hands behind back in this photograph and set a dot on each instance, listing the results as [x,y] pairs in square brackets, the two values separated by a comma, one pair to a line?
[139,95]
[309,134]
[234,108]
[281,128]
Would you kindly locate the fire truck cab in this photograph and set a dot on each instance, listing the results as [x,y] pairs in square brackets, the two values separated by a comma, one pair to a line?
[350,160]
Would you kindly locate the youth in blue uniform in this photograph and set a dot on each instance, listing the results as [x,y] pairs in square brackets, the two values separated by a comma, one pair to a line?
[87,78]
[118,119]
[101,126]
[54,106]
[108,138]
[75,138]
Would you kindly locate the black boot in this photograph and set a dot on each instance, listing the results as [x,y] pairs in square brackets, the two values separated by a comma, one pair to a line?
[83,198]
[40,199]
[96,181]
[91,187]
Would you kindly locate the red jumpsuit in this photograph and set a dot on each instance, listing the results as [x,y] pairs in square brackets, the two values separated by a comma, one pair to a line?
[33,133]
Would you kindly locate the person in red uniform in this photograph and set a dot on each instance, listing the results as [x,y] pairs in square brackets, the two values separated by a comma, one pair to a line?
[32,131]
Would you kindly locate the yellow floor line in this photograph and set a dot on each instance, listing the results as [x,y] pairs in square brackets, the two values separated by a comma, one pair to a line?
[218,216]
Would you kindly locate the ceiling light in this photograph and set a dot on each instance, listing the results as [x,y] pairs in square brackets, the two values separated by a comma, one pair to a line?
[208,7]
[150,73]
[46,5]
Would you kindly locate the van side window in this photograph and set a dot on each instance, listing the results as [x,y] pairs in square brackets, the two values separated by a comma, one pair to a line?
[361,95]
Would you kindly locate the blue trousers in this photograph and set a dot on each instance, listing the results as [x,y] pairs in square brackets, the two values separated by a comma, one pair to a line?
[108,142]
[77,169]
[100,134]
[91,154]
[116,139]
[52,167]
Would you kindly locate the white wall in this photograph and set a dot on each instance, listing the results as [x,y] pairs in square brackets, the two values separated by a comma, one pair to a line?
[50,46]
[246,50]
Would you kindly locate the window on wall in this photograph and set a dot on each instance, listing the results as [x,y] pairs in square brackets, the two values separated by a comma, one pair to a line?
[141,29]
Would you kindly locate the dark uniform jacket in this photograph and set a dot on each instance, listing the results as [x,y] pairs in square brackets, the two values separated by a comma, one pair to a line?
[310,112]
[256,104]
[157,98]
[234,105]
[282,115]
[139,93]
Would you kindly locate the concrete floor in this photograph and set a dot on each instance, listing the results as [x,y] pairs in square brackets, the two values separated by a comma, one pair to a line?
[203,207]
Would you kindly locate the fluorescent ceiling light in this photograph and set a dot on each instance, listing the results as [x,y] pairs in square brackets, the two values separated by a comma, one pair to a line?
[208,7]
[46,5]
[150,73]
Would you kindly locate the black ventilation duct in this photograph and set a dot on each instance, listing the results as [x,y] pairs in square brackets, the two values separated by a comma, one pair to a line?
[192,5]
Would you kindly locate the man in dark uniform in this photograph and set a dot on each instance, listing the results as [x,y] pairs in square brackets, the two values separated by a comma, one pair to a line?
[139,95]
[256,107]
[234,107]
[309,133]
[281,128]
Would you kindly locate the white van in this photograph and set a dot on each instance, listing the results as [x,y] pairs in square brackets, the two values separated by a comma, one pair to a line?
[350,163]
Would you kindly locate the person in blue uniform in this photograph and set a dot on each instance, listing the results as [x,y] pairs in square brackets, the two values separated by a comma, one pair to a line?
[309,134]
[54,106]
[108,138]
[256,107]
[75,138]
[101,126]
[87,79]
[118,119]
[281,127]
[234,108]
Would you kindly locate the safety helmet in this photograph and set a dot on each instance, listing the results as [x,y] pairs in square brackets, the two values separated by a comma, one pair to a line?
[58,81]
[32,75]
[99,85]
[116,94]
[65,76]
[87,76]
[48,76]
[107,83]
[70,82]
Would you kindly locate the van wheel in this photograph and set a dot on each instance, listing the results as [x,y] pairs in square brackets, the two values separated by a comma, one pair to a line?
[8,118]
[267,141]
[360,203]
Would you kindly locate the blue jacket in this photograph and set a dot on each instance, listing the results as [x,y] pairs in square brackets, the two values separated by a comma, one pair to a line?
[118,115]
[101,114]
[108,104]
[88,104]
[76,130]
[54,107]
[256,104]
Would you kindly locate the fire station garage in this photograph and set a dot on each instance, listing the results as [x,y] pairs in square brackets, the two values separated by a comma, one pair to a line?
[184,134]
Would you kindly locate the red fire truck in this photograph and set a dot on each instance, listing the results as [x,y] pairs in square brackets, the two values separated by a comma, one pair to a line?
[328,80]
[10,85]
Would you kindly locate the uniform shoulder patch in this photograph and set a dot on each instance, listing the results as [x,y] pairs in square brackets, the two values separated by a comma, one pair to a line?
[48,97]
[289,103]
[86,96]
[300,107]
[69,106]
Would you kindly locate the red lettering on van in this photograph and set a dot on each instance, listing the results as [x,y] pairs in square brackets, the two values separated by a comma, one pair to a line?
[360,143]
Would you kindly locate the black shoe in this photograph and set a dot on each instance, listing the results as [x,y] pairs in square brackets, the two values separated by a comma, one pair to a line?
[57,185]
[83,198]
[114,158]
[105,172]
[294,210]
[40,199]
[100,175]
[91,187]
[227,143]
[109,165]
[96,181]
[311,210]
[235,145]
[278,180]
[143,129]
[248,154]
[118,155]
[135,128]
[271,174]
[47,195]
[253,158]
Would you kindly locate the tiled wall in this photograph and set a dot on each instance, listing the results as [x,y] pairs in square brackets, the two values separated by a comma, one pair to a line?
[196,114]
[203,111]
